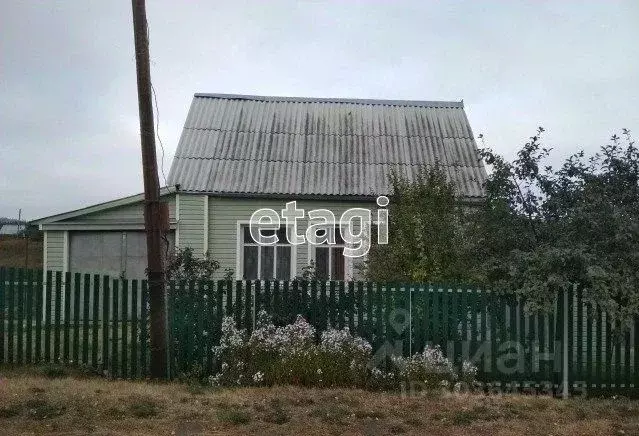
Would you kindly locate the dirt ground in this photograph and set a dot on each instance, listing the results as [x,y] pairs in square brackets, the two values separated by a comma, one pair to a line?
[13,252]
[52,402]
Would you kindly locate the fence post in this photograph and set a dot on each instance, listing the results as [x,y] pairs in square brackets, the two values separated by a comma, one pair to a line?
[410,321]
[3,292]
[564,347]
[635,367]
[19,277]
[254,302]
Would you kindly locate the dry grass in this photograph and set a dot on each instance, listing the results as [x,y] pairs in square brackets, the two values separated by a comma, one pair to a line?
[35,404]
[13,252]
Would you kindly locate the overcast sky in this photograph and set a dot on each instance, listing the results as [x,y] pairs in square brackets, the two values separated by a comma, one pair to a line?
[68,109]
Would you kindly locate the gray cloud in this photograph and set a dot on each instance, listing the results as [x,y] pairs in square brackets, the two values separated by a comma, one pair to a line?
[68,109]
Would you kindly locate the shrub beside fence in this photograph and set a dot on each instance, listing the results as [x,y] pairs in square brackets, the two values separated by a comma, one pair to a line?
[101,323]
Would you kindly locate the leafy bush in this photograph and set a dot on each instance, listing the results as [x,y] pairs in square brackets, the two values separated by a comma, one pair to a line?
[539,231]
[190,281]
[183,265]
[291,354]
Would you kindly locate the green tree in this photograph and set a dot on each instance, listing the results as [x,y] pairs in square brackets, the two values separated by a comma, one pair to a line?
[426,233]
[540,230]
[543,230]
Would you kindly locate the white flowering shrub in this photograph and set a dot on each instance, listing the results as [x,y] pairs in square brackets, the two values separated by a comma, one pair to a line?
[344,357]
[381,380]
[430,368]
[291,338]
[233,354]
[468,373]
[343,342]
[292,354]
[287,353]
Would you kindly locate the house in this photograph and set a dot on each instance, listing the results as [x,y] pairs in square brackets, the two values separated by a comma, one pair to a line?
[10,229]
[10,226]
[240,153]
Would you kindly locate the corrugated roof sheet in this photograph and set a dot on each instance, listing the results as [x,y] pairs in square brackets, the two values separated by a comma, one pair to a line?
[304,146]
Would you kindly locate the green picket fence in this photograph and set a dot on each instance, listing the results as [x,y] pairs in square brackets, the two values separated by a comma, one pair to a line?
[102,323]
[92,321]
[510,345]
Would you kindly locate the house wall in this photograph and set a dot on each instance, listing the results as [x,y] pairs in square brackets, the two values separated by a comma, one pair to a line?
[191,226]
[224,214]
[10,229]
[204,223]
[54,250]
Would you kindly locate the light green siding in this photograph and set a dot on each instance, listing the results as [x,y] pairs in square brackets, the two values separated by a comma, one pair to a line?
[55,250]
[224,214]
[131,213]
[221,234]
[191,226]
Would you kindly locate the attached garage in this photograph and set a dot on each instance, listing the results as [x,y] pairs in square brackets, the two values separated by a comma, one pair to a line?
[106,239]
[116,253]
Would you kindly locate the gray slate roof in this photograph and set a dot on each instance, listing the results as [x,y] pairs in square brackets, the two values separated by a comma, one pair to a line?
[251,145]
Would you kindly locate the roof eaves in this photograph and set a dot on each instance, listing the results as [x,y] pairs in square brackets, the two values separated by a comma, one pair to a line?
[99,207]
[291,197]
[415,103]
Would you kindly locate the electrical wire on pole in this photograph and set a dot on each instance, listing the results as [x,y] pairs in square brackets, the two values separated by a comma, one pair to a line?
[155,220]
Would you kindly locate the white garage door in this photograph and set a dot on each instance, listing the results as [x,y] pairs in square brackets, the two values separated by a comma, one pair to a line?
[114,253]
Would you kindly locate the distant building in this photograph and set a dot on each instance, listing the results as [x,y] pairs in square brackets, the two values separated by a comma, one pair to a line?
[10,229]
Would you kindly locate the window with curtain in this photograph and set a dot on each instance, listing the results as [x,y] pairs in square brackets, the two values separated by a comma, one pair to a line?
[330,263]
[266,262]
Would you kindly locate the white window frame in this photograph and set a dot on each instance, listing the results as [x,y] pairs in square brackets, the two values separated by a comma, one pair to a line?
[348,261]
[239,258]
[349,272]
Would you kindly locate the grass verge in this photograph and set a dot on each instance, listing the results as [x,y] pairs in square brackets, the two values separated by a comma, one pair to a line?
[45,402]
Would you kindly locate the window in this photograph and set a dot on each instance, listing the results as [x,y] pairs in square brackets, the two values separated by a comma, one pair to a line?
[266,262]
[330,263]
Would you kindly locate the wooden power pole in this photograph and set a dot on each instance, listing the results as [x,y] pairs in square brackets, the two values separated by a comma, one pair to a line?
[153,210]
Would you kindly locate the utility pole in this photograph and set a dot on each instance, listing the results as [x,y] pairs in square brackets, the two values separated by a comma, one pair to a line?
[153,209]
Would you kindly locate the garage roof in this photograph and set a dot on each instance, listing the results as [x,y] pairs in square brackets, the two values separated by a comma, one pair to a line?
[100,207]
